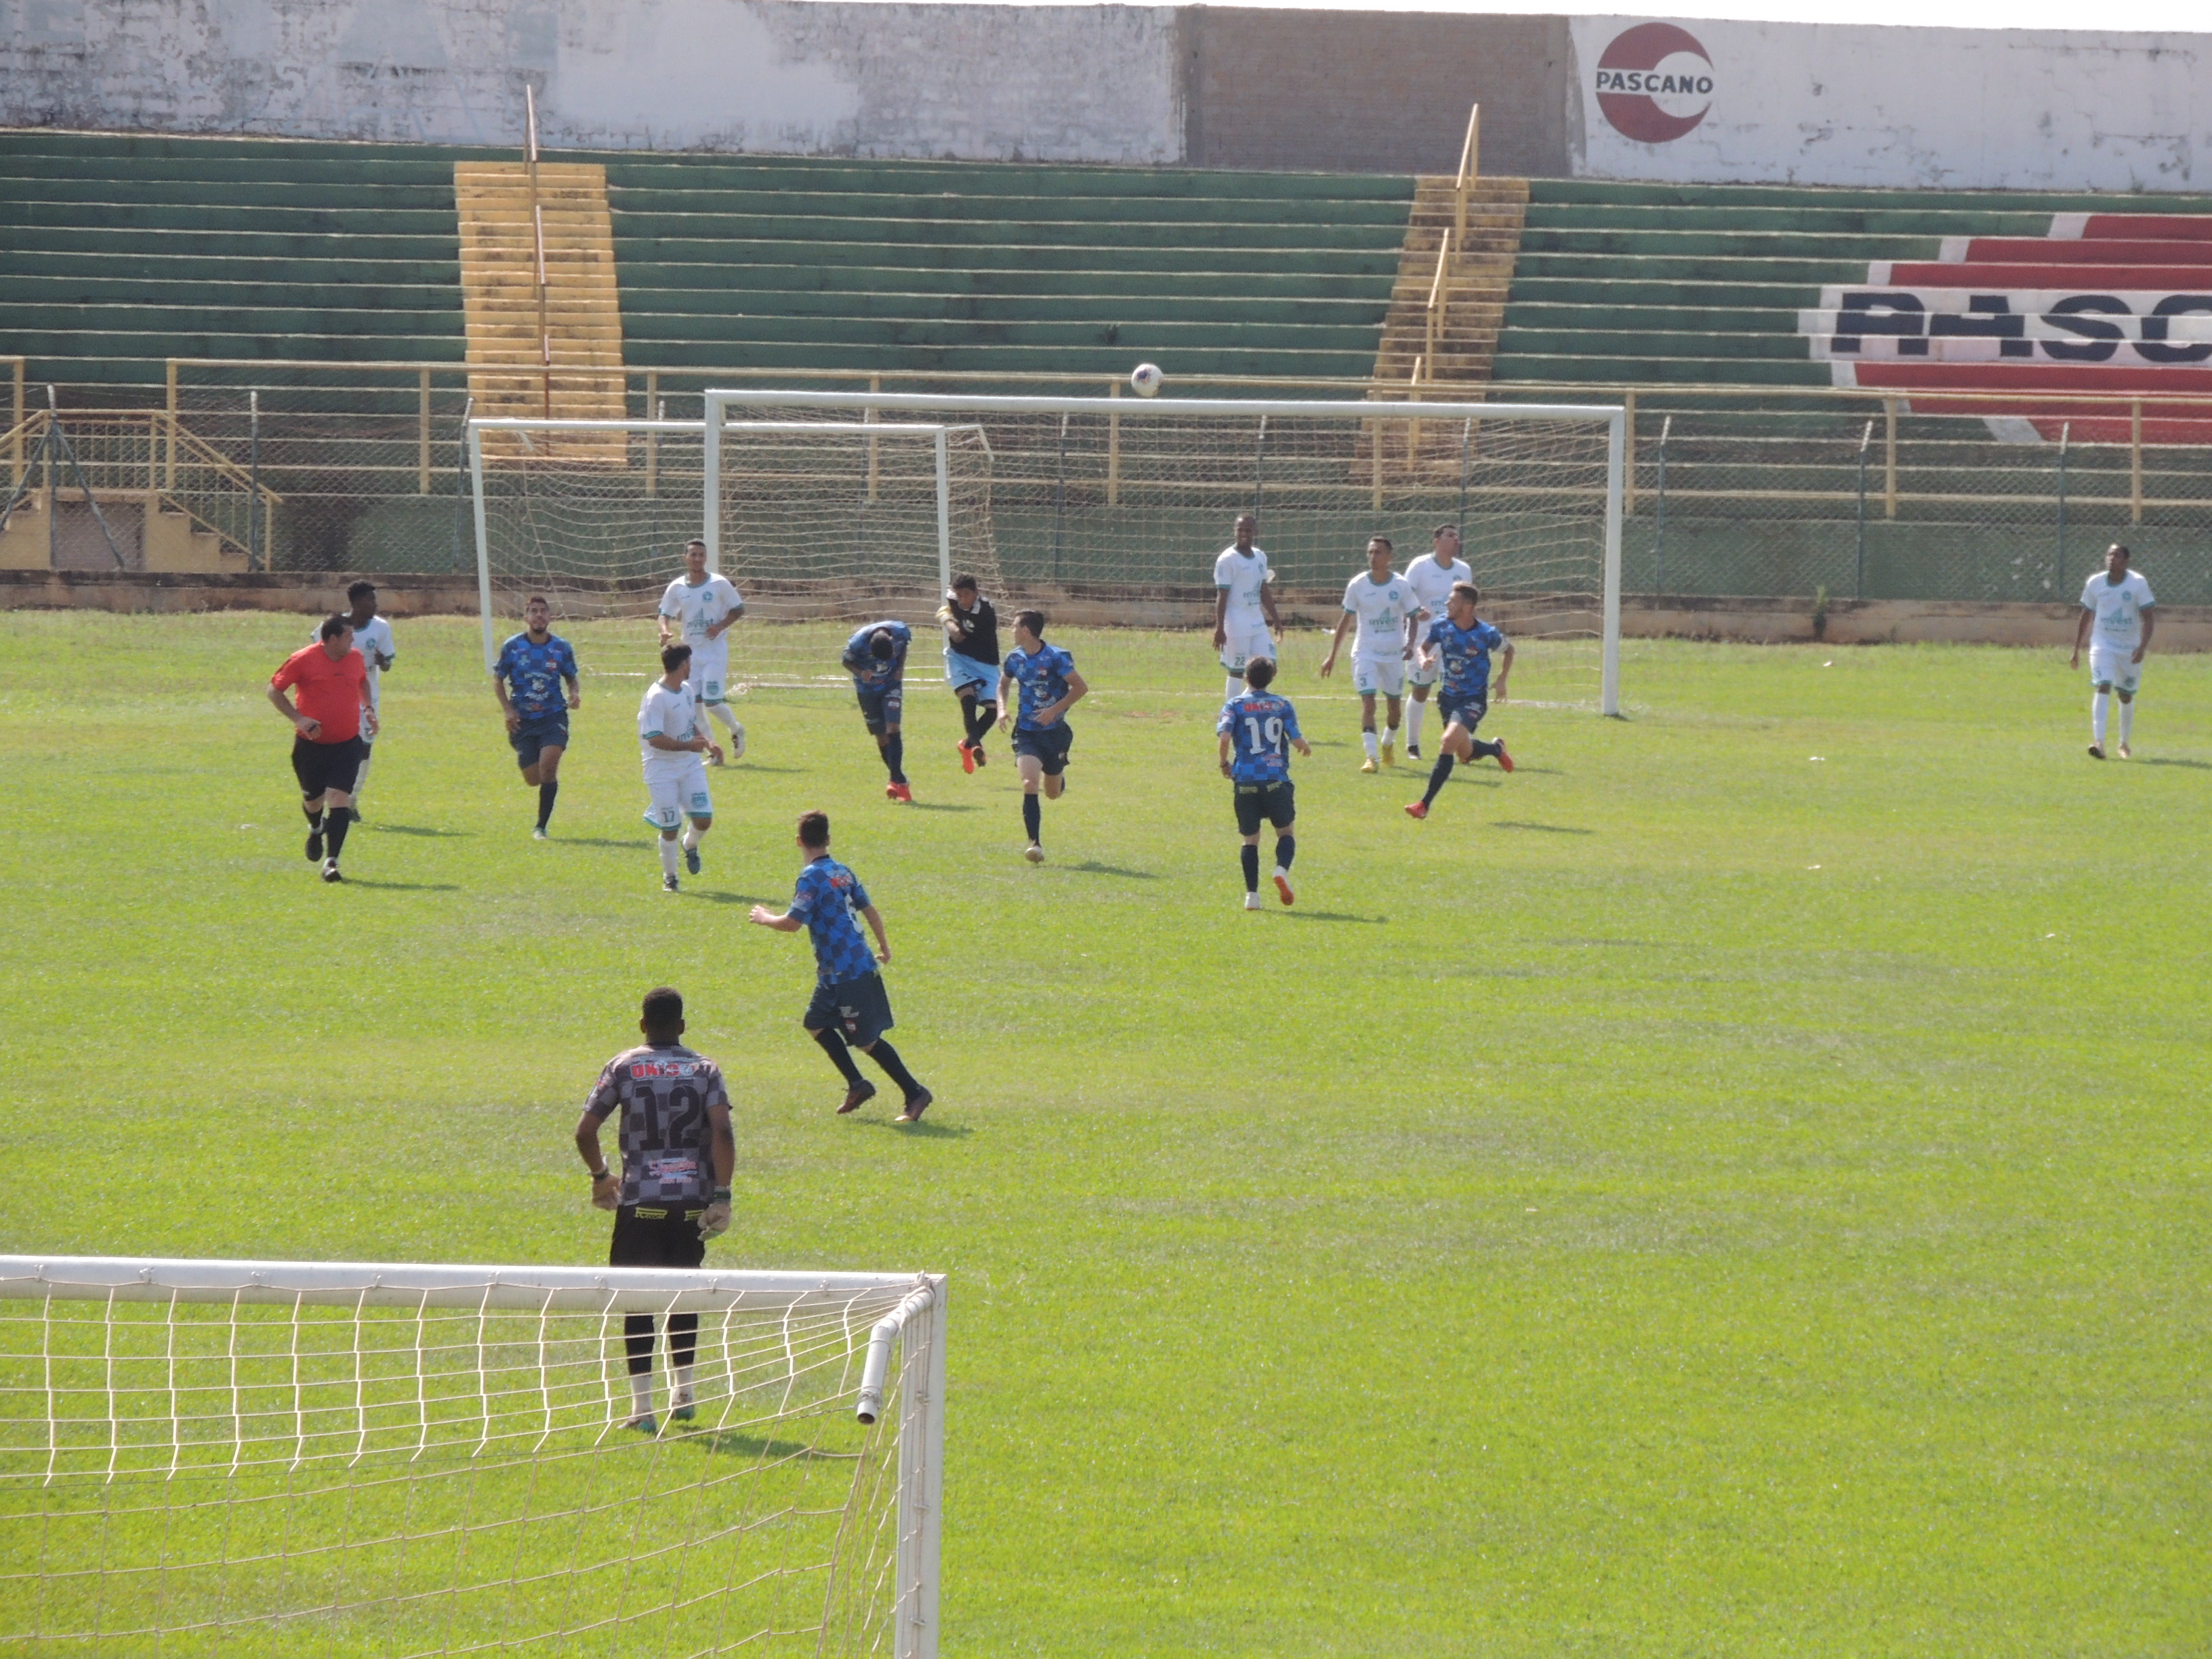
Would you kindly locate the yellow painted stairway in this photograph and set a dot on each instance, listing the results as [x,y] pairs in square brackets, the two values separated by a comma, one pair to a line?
[506,353]
[1471,296]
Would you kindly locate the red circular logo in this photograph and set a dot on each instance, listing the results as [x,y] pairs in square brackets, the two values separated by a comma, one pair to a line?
[1655,82]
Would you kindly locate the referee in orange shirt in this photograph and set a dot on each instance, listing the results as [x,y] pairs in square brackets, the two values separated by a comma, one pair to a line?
[333,682]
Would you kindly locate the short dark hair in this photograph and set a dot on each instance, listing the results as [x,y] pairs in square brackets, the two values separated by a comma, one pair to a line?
[881,645]
[1252,517]
[963,581]
[1466,591]
[1385,540]
[2120,547]
[672,654]
[1032,620]
[1443,530]
[814,829]
[537,599]
[336,624]
[362,590]
[664,1008]
[696,541]
[1260,673]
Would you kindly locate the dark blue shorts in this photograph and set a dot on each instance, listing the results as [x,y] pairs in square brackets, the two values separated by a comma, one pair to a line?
[1276,802]
[860,1008]
[880,705]
[1050,744]
[544,732]
[1466,711]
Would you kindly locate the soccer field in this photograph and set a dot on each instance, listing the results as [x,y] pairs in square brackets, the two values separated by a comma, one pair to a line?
[1737,1185]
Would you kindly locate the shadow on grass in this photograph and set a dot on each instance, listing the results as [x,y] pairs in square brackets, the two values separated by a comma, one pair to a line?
[1548,828]
[642,841]
[754,766]
[2194,766]
[940,806]
[405,886]
[378,828]
[723,898]
[1332,915]
[1092,868]
[726,1444]
[927,1129]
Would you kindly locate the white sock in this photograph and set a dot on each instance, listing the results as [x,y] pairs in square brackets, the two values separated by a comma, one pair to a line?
[1232,688]
[641,1395]
[691,839]
[2127,722]
[1393,737]
[683,1396]
[1413,724]
[720,711]
[1369,739]
[668,855]
[2099,705]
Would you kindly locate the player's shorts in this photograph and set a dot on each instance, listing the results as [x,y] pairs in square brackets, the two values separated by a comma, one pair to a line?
[676,792]
[1048,746]
[1416,675]
[536,735]
[324,766]
[1385,676]
[961,672]
[1463,711]
[1277,802]
[860,1008]
[1246,640]
[710,669]
[663,1233]
[2109,665]
[881,705]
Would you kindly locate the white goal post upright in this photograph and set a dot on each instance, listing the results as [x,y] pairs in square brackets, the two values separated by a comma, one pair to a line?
[270,1457]
[1130,497]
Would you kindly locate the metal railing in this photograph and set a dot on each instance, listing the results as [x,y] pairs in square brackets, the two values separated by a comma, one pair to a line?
[150,455]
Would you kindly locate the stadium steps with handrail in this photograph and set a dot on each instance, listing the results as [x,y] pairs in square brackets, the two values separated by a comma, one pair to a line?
[1470,299]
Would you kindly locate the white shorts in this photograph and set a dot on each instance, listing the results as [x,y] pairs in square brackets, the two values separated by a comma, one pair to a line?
[2109,665]
[1383,675]
[1416,675]
[1246,640]
[676,792]
[710,669]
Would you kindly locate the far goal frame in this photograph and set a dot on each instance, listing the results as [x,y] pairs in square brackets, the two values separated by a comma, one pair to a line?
[866,405]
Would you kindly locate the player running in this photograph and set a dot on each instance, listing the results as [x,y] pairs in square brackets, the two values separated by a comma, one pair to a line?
[1432,577]
[850,1009]
[532,669]
[876,658]
[1460,647]
[1254,729]
[703,607]
[2118,603]
[1383,603]
[672,736]
[1245,624]
[971,663]
[667,1202]
[327,750]
[372,637]
[1044,677]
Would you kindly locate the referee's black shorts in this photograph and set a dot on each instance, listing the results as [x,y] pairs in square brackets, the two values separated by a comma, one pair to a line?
[325,766]
[663,1234]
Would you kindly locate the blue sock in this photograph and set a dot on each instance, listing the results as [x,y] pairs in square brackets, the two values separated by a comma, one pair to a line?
[1442,770]
[1250,859]
[895,756]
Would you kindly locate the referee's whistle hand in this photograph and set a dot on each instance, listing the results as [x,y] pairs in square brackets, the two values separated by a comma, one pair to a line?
[307,728]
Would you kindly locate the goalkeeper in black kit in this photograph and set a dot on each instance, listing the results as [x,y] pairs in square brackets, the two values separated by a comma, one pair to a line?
[674,1193]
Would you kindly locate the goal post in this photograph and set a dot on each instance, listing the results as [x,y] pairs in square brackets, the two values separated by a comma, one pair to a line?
[1116,506]
[273,1457]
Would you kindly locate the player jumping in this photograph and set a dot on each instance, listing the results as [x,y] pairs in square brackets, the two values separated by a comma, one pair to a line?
[1254,729]
[703,607]
[533,667]
[671,735]
[1044,677]
[1245,624]
[971,663]
[850,1009]
[1460,646]
[2118,603]
[876,658]
[667,1203]
[1432,577]
[1383,603]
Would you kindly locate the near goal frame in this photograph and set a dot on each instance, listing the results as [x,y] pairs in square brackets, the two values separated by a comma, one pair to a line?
[868,406]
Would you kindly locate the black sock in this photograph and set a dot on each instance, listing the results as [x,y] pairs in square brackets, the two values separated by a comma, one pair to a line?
[314,816]
[1286,848]
[986,716]
[895,756]
[833,1044]
[334,828]
[547,793]
[1437,776]
[1249,858]
[637,1343]
[1487,749]
[895,1068]
[1033,817]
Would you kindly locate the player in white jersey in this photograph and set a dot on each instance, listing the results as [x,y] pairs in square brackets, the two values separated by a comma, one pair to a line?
[1245,624]
[1382,603]
[702,608]
[672,735]
[1432,577]
[2116,604]
[372,637]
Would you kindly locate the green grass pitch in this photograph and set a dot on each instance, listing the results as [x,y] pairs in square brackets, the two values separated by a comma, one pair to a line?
[1737,1185]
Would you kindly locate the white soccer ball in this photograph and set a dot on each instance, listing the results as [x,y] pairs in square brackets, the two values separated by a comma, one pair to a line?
[1145,379]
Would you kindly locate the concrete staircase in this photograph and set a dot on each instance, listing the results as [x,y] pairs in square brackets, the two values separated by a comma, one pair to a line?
[1477,278]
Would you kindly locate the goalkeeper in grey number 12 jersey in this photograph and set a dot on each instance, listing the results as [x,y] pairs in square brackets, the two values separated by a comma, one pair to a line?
[674,1193]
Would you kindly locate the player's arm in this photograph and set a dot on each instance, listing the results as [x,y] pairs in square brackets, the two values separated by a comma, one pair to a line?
[575,687]
[1267,605]
[1220,616]
[301,723]
[1413,633]
[507,709]
[1336,639]
[1006,702]
[604,1192]
[1297,738]
[2080,633]
[2149,615]
[1226,745]
[666,632]
[784,923]
[1077,690]
[874,917]
[1505,667]
[369,707]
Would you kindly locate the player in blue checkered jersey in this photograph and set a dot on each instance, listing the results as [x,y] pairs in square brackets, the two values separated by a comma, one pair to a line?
[850,1009]
[1254,729]
[1462,643]
[1037,685]
[876,659]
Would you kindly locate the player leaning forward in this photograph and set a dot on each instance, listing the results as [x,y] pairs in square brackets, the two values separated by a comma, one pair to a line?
[327,750]
[701,606]
[672,735]
[2118,603]
[876,659]
[1459,648]
[1254,728]
[1245,623]
[668,1201]
[1383,603]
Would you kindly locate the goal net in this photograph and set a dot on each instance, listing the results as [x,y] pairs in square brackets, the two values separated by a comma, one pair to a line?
[1110,511]
[277,1458]
[826,521]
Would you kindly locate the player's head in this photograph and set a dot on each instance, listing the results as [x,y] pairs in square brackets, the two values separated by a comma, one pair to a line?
[881,645]
[663,1015]
[337,634]
[1465,595]
[2116,560]
[1029,628]
[1378,557]
[537,613]
[695,559]
[362,596]
[1446,536]
[814,831]
[964,589]
[675,659]
[1260,673]
[1246,528]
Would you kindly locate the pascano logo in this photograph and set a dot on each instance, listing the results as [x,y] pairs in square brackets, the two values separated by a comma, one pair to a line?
[1655,82]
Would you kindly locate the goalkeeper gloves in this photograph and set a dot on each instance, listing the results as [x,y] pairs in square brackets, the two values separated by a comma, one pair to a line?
[714,1220]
